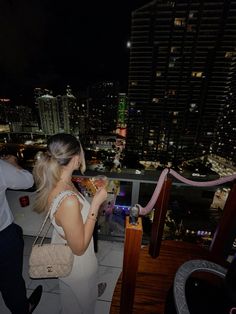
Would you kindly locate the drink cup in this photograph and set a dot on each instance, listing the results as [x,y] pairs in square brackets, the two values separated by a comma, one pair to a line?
[99,181]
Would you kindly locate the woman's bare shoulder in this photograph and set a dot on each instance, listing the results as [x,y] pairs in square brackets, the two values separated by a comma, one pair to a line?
[70,199]
[66,198]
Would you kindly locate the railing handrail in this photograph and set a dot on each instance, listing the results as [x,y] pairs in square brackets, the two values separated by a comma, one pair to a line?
[145,210]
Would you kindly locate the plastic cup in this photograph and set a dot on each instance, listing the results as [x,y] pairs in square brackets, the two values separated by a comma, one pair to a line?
[99,181]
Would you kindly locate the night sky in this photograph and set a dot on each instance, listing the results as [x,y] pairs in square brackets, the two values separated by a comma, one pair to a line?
[52,43]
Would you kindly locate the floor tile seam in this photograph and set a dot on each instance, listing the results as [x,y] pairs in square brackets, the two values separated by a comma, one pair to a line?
[116,267]
[45,292]
[102,300]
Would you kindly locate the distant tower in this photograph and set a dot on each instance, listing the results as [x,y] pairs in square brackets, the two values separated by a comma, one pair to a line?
[49,114]
[182,60]
[38,92]
[225,139]
[68,112]
[82,122]
[5,108]
[103,108]
[122,114]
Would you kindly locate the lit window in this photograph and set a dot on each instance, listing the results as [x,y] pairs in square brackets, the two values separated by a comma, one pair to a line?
[158,73]
[171,92]
[171,3]
[134,83]
[155,100]
[174,49]
[191,14]
[179,21]
[230,54]
[197,74]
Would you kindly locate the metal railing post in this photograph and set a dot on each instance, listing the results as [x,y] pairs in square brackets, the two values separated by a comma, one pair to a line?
[159,219]
[135,192]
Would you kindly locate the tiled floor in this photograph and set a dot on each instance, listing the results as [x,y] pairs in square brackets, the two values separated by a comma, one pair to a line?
[110,259]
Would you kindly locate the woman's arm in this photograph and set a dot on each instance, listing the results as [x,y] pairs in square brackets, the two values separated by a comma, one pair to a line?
[68,216]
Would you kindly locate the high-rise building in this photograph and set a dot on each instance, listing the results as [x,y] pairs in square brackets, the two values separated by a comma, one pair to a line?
[68,112]
[82,108]
[225,139]
[5,108]
[38,92]
[122,115]
[49,114]
[103,108]
[181,73]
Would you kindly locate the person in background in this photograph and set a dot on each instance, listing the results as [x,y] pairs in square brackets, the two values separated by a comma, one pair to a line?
[72,216]
[12,284]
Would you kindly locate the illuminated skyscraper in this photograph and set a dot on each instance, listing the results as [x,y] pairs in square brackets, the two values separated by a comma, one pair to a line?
[5,107]
[49,114]
[122,115]
[103,107]
[38,92]
[68,112]
[225,139]
[82,107]
[182,61]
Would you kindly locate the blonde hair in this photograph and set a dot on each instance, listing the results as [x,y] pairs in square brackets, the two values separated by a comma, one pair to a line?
[62,148]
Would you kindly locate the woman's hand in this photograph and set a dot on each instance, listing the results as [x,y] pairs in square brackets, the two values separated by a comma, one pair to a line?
[99,197]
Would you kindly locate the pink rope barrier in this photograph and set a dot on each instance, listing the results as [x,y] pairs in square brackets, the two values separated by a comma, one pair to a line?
[145,210]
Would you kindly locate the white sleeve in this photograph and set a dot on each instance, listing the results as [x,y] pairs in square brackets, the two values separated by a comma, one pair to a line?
[14,178]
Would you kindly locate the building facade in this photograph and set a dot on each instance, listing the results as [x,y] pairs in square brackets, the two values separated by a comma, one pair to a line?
[49,114]
[103,108]
[181,74]
[122,115]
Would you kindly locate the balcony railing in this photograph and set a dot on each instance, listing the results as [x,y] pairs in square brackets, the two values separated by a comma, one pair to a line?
[190,214]
[149,273]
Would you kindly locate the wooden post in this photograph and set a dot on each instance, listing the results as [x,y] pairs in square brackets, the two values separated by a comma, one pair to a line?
[226,231]
[132,246]
[159,219]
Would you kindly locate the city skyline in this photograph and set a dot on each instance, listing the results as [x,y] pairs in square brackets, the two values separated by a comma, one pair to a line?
[180,93]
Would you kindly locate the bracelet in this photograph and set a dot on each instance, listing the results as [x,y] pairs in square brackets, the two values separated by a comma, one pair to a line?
[93,216]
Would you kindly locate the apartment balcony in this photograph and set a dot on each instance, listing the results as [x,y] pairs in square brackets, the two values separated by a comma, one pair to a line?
[139,264]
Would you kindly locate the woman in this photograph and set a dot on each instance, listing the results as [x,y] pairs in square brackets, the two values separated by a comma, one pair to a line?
[72,216]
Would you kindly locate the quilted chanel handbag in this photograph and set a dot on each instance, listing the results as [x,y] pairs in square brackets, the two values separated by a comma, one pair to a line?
[49,260]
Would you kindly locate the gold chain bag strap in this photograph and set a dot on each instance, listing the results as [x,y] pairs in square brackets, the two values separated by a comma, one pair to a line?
[48,260]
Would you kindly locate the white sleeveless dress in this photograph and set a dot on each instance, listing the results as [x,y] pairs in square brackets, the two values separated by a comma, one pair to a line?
[79,289]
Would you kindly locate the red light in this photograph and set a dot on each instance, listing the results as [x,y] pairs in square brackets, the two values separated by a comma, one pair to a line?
[24,201]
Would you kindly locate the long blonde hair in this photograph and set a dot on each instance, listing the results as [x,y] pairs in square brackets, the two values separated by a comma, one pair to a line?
[62,147]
